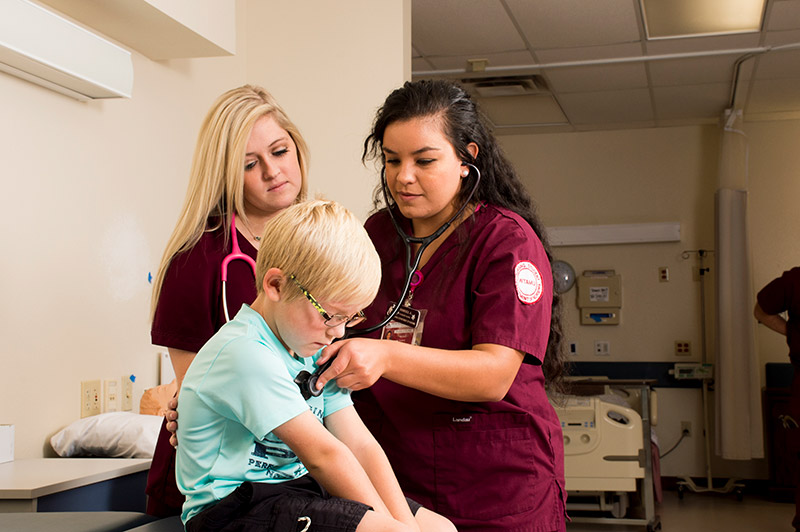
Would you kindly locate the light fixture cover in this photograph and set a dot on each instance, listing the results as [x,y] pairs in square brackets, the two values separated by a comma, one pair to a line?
[42,47]
[590,235]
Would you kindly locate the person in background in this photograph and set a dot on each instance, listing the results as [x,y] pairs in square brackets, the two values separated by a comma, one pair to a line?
[256,455]
[461,409]
[250,162]
[778,296]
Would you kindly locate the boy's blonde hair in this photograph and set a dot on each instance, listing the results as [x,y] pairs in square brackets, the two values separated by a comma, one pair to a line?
[326,248]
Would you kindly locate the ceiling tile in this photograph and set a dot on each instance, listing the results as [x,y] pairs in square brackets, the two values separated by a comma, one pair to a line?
[572,23]
[607,107]
[420,64]
[617,125]
[597,78]
[560,55]
[700,101]
[591,56]
[783,15]
[523,110]
[778,64]
[691,71]
[459,27]
[773,95]
[778,38]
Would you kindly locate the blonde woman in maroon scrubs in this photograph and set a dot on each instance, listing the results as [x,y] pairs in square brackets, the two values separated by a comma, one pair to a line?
[456,396]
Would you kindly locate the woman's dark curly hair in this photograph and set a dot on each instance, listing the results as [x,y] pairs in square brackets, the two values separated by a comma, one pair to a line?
[463,124]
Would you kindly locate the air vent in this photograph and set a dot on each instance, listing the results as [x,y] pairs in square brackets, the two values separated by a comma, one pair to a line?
[506,86]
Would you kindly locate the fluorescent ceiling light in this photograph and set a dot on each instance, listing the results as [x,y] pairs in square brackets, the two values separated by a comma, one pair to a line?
[665,19]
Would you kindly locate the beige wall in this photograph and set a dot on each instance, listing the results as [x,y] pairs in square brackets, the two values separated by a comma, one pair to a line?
[337,67]
[92,190]
[774,221]
[664,175]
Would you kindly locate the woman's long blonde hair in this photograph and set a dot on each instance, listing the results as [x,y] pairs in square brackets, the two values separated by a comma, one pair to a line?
[216,183]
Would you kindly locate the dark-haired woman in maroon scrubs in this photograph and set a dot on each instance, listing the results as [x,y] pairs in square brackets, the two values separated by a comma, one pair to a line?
[457,398]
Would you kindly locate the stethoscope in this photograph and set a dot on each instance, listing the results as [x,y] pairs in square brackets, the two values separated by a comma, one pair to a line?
[308,381]
[235,254]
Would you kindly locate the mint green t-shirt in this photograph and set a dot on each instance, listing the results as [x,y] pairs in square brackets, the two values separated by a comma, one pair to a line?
[238,389]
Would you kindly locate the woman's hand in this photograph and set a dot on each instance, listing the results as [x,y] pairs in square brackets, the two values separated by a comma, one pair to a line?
[172,421]
[359,362]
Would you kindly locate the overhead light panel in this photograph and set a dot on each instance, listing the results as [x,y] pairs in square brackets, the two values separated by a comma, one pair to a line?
[594,235]
[666,19]
[44,48]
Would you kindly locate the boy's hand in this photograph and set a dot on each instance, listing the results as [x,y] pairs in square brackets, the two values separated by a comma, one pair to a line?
[172,421]
[359,363]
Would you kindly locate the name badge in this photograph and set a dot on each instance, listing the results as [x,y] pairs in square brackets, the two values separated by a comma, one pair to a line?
[406,326]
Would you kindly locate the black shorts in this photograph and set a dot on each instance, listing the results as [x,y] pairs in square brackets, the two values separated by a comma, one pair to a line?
[296,505]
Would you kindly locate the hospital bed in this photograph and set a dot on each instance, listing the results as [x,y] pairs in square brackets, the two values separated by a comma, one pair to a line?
[607,451]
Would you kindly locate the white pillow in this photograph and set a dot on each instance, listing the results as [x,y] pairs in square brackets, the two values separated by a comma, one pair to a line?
[112,435]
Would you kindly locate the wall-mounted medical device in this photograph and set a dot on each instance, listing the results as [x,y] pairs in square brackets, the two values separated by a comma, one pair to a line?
[693,370]
[599,297]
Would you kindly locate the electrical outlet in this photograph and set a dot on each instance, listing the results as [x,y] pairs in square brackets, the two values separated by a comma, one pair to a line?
[602,348]
[573,348]
[683,348]
[90,398]
[126,394]
[663,274]
[686,428]
[111,395]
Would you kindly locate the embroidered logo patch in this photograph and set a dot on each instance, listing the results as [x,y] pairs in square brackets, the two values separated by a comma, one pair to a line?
[528,281]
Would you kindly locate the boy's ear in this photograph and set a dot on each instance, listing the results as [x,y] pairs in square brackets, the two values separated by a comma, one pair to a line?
[274,283]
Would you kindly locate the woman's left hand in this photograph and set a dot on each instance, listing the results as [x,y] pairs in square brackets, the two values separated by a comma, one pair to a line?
[359,362]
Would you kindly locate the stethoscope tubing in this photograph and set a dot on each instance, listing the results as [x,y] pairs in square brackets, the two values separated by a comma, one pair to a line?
[412,263]
[307,381]
[235,254]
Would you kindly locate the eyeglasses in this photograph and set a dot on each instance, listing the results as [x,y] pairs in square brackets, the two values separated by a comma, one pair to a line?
[330,320]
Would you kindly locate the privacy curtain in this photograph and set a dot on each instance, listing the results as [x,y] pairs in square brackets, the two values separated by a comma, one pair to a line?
[738,374]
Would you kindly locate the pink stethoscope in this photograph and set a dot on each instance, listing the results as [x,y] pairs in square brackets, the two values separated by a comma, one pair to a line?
[236,253]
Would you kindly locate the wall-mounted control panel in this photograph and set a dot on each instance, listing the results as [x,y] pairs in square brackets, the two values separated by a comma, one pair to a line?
[600,297]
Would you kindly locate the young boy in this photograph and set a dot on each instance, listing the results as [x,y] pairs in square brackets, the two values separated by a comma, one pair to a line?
[253,454]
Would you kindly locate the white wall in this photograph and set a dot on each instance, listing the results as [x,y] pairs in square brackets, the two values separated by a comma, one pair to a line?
[92,190]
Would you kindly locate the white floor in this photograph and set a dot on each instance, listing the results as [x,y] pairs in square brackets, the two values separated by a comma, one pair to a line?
[698,512]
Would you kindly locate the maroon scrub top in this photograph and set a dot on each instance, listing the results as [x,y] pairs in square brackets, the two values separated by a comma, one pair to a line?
[189,309]
[486,466]
[188,313]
